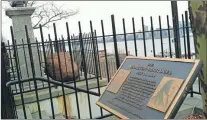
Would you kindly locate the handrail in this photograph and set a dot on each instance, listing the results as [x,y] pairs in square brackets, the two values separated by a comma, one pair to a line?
[51,81]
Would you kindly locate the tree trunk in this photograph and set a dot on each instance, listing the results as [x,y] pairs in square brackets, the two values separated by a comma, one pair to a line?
[198,16]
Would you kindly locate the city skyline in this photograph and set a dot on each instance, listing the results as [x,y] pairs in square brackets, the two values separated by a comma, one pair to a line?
[148,34]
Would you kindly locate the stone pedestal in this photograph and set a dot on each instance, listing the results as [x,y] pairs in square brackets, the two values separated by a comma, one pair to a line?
[20,17]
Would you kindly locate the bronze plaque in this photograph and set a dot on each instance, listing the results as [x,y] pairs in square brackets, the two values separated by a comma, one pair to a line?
[149,88]
[118,80]
[165,93]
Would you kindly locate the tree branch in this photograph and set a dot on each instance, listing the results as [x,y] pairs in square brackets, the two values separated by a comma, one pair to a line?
[50,13]
[41,18]
[46,12]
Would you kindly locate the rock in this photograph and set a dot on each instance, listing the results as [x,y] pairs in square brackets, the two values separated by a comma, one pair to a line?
[195,117]
[66,68]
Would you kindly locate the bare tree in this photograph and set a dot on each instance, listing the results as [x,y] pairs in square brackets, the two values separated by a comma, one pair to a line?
[48,12]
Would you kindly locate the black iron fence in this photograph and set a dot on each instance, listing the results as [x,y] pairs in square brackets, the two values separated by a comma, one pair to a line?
[69,61]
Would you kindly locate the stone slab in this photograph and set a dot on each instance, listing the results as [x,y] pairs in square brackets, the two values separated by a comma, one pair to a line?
[44,94]
[43,114]
[20,113]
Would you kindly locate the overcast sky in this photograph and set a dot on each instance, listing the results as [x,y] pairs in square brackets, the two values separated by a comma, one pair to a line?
[97,10]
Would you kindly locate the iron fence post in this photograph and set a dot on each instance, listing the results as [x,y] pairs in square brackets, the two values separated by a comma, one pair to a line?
[125,38]
[176,28]
[7,101]
[188,44]
[18,73]
[115,42]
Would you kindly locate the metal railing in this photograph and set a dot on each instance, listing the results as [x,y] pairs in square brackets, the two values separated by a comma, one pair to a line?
[84,50]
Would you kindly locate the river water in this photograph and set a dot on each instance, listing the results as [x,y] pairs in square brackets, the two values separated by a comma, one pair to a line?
[149,48]
[140,46]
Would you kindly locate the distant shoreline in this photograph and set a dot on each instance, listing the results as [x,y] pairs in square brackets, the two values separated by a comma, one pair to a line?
[121,40]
